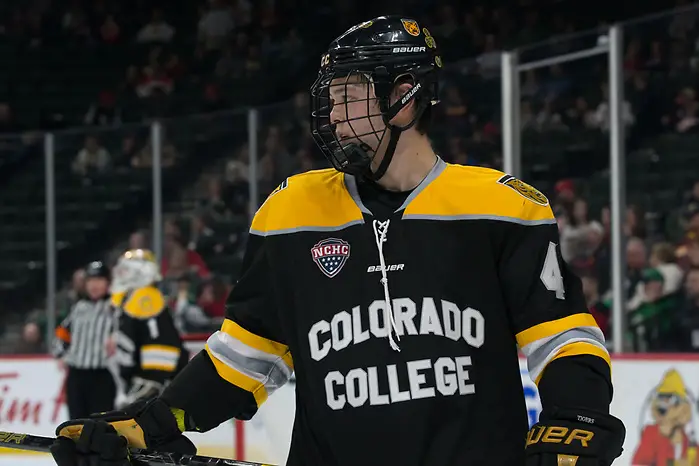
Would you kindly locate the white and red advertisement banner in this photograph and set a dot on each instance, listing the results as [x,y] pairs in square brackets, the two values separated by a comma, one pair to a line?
[655,396]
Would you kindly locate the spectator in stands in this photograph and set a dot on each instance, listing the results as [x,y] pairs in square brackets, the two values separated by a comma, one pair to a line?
[32,341]
[178,259]
[663,259]
[188,316]
[128,150]
[202,238]
[93,158]
[636,261]
[157,30]
[237,187]
[565,197]
[651,322]
[104,112]
[579,116]
[144,157]
[138,240]
[635,224]
[110,32]
[212,298]
[692,222]
[75,23]
[454,111]
[577,232]
[214,203]
[691,205]
[688,318]
[215,24]
[683,118]
[600,118]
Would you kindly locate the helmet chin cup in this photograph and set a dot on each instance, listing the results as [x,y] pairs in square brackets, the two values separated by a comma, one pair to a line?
[353,158]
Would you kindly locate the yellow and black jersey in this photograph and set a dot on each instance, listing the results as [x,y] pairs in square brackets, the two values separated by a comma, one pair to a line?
[148,344]
[401,315]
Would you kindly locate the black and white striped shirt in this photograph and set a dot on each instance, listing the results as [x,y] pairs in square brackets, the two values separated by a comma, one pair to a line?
[82,337]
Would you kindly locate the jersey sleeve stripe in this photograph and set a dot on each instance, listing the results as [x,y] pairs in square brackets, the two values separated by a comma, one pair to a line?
[159,357]
[257,342]
[150,365]
[165,349]
[553,327]
[248,367]
[541,352]
[239,379]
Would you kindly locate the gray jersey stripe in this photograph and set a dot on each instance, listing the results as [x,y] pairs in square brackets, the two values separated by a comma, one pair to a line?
[540,352]
[468,217]
[287,231]
[271,373]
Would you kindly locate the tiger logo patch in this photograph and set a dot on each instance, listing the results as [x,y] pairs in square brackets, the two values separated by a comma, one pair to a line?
[524,190]
[411,27]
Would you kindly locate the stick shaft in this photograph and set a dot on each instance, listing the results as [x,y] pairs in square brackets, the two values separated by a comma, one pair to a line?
[139,457]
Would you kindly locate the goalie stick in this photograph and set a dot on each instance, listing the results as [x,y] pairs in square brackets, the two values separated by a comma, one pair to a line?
[139,457]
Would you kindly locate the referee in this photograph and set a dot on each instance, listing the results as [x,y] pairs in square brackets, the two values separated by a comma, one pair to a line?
[81,342]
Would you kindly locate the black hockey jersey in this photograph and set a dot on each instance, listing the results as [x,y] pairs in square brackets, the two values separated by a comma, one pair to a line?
[403,331]
[148,345]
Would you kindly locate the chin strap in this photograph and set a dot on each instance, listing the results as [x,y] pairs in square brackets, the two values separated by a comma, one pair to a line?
[388,155]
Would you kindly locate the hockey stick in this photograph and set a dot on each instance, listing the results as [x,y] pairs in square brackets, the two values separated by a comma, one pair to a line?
[139,457]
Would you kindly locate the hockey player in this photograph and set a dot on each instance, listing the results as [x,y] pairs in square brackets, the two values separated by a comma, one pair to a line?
[149,349]
[401,285]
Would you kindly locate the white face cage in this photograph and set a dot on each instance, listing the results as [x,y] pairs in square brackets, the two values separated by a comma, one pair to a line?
[130,274]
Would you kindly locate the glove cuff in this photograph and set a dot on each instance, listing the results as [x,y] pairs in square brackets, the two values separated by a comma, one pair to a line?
[577,432]
[158,422]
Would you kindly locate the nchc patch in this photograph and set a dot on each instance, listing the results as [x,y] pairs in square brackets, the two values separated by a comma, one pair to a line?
[411,27]
[330,255]
[524,190]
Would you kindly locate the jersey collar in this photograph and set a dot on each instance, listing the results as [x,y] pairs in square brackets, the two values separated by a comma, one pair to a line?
[351,185]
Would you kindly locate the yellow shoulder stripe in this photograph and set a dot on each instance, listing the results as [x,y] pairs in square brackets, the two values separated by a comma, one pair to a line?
[314,201]
[480,193]
[145,303]
[553,327]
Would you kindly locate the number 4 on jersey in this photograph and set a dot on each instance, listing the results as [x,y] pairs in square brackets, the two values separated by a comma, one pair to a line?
[551,273]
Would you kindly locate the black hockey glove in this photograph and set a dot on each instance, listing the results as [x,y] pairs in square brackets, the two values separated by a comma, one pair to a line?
[104,438]
[99,444]
[570,437]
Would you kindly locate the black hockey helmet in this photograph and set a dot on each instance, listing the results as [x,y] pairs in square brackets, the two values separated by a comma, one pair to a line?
[383,52]
[97,269]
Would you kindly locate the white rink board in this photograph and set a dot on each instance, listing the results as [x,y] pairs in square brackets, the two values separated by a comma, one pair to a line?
[31,402]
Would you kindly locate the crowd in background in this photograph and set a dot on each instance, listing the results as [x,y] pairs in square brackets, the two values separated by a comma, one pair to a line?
[237,41]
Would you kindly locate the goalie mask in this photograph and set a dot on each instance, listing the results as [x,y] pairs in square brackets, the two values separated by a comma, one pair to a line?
[353,100]
[135,269]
